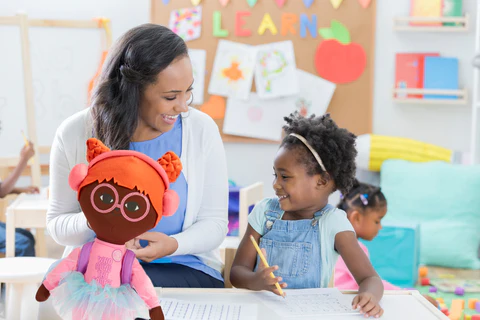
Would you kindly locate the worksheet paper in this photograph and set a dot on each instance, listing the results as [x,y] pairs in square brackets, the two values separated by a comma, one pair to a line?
[174,309]
[308,302]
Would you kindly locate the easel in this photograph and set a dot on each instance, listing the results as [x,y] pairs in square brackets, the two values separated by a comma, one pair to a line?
[22,21]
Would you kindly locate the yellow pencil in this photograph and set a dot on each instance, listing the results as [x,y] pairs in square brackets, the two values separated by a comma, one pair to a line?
[24,138]
[262,257]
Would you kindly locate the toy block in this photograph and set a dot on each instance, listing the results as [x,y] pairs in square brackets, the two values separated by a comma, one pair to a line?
[475,316]
[459,291]
[432,289]
[471,303]
[467,317]
[422,272]
[477,306]
[425,281]
[445,311]
[440,299]
[456,309]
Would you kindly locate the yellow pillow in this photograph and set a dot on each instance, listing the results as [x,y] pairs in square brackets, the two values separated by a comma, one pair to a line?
[374,149]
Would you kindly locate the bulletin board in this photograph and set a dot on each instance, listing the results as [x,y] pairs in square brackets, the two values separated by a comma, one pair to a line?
[351,104]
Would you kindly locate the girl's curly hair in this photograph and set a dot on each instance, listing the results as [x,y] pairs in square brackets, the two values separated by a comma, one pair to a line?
[334,145]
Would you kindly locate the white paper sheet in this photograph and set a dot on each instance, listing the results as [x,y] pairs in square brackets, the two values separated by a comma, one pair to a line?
[174,309]
[232,73]
[315,94]
[275,70]
[198,58]
[256,118]
[308,302]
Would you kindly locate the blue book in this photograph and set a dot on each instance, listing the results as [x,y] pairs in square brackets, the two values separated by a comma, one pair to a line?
[440,73]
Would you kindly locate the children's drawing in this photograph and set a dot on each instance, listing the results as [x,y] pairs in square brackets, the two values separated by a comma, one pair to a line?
[257,118]
[198,58]
[315,94]
[187,22]
[275,70]
[232,73]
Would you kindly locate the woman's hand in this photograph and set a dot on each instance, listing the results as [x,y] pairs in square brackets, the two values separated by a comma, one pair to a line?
[159,246]
[264,281]
[368,305]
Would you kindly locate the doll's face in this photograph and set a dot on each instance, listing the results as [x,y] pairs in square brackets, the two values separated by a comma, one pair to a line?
[115,213]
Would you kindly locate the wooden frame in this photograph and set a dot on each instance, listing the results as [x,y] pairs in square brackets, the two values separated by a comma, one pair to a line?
[403,24]
[22,21]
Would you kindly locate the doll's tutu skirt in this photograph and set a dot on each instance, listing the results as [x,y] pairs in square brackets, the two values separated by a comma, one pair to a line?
[74,299]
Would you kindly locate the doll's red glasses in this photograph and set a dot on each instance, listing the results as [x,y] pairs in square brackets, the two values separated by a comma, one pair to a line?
[132,203]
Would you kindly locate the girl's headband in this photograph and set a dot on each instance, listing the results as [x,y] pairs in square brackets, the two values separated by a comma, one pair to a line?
[315,154]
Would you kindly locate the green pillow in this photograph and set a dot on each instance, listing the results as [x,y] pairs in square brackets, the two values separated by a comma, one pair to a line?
[444,199]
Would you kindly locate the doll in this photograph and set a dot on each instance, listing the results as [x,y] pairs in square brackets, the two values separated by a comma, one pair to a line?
[123,194]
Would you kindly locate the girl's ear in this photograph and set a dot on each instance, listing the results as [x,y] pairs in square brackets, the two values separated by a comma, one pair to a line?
[355,217]
[94,148]
[171,164]
[323,179]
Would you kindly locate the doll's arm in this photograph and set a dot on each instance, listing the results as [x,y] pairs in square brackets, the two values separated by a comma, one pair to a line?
[55,275]
[145,289]
[144,286]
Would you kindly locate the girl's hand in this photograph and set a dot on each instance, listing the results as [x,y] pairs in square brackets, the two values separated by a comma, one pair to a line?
[264,281]
[367,304]
[27,151]
[29,189]
[159,246]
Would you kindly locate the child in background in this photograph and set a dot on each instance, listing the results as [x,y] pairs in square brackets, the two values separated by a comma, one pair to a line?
[365,206]
[300,234]
[24,240]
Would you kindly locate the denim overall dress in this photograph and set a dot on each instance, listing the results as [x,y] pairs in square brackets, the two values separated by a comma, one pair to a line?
[294,246]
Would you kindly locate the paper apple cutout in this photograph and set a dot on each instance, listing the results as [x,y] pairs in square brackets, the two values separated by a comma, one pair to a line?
[337,59]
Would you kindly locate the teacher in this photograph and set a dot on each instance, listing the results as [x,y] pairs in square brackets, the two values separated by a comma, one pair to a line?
[141,102]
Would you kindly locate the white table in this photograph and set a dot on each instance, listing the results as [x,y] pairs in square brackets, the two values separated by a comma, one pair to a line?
[398,305]
[27,211]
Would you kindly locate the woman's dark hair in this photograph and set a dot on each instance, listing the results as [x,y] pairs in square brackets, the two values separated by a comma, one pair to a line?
[334,145]
[362,196]
[132,64]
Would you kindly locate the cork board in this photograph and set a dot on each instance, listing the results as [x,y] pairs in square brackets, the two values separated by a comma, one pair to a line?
[351,105]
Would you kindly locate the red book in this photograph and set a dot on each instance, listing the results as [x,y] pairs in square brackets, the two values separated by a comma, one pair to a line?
[409,69]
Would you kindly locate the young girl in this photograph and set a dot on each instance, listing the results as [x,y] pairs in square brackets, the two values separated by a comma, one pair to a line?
[365,206]
[300,234]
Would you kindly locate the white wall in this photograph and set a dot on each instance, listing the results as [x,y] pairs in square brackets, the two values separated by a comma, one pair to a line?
[124,14]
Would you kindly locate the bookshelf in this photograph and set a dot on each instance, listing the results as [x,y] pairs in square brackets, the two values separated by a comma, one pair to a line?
[404,24]
[462,96]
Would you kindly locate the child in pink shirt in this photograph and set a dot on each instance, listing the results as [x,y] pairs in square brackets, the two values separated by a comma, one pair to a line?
[365,206]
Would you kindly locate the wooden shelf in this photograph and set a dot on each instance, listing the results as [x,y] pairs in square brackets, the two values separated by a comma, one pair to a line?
[403,24]
[461,96]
